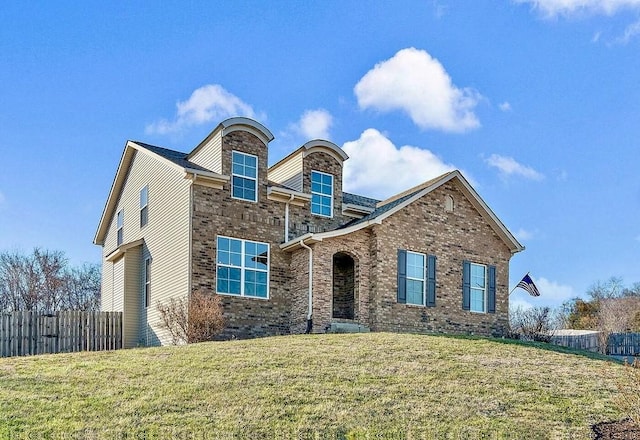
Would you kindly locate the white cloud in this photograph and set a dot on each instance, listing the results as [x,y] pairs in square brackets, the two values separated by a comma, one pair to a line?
[210,103]
[314,124]
[554,8]
[554,292]
[378,168]
[505,106]
[416,83]
[509,166]
[517,303]
[630,32]
[523,235]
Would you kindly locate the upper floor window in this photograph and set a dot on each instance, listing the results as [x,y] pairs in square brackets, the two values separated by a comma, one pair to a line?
[242,267]
[321,194]
[144,208]
[244,176]
[120,226]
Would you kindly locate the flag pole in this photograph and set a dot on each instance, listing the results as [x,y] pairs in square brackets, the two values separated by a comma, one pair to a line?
[517,285]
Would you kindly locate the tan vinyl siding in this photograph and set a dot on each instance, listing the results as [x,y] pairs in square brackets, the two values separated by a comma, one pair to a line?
[106,291]
[132,325]
[118,285]
[166,236]
[288,173]
[210,154]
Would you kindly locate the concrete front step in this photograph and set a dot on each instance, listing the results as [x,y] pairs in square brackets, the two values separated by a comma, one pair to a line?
[348,327]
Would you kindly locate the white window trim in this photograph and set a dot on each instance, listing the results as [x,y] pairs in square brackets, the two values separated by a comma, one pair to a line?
[243,268]
[120,227]
[146,290]
[255,180]
[146,205]
[423,279]
[485,289]
[322,195]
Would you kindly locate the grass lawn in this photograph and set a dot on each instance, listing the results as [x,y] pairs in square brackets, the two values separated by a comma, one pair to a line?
[376,385]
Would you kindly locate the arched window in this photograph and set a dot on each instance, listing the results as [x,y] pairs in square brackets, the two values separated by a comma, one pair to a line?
[449,204]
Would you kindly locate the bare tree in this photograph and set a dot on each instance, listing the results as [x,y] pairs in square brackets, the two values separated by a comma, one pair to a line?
[43,281]
[535,323]
[612,288]
[82,288]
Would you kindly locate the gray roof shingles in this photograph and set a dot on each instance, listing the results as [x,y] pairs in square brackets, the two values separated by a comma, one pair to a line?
[174,156]
[381,210]
[355,199]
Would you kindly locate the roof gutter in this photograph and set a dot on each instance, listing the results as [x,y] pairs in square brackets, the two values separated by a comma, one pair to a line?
[286,218]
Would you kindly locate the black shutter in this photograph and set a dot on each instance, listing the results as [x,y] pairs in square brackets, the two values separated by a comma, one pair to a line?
[466,285]
[431,280]
[491,300]
[402,276]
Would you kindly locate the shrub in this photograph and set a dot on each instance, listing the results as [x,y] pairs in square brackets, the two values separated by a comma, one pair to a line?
[198,318]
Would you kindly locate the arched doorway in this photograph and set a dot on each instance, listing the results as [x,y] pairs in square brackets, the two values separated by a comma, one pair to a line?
[344,286]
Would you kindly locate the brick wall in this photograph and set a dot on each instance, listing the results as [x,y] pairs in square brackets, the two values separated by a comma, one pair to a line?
[452,237]
[215,213]
[301,219]
[423,227]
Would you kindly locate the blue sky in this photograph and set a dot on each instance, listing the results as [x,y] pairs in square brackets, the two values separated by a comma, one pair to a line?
[536,101]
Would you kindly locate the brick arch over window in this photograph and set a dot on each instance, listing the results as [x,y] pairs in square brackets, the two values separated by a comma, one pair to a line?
[345,286]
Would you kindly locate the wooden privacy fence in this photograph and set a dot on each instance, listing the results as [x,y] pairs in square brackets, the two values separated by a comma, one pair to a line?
[25,333]
[624,344]
[589,342]
[618,344]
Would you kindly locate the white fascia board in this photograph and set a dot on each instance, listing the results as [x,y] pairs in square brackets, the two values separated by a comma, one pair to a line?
[284,195]
[357,210]
[483,207]
[116,187]
[122,249]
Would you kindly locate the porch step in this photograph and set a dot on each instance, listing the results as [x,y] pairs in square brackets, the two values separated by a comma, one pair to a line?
[348,327]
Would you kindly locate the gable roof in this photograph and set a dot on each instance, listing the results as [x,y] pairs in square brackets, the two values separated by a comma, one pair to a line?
[394,204]
[172,158]
[176,157]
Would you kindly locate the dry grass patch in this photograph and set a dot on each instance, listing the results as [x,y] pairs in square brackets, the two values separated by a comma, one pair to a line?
[315,386]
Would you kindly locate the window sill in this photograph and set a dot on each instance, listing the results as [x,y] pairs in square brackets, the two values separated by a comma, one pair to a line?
[233,295]
[244,200]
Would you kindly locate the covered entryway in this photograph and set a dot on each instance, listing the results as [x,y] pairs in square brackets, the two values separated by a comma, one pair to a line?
[344,286]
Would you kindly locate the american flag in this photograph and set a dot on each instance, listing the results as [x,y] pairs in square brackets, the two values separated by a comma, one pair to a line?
[528,285]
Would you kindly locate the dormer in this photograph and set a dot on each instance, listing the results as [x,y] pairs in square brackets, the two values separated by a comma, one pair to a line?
[315,169]
[208,153]
[238,148]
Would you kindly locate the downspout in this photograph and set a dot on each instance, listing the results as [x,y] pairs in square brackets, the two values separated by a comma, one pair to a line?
[286,218]
[310,313]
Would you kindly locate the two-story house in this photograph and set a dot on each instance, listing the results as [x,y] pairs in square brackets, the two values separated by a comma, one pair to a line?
[288,250]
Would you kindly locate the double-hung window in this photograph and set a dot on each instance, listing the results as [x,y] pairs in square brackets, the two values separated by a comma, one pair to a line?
[144,206]
[244,176]
[242,267]
[321,194]
[416,278]
[478,287]
[120,226]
